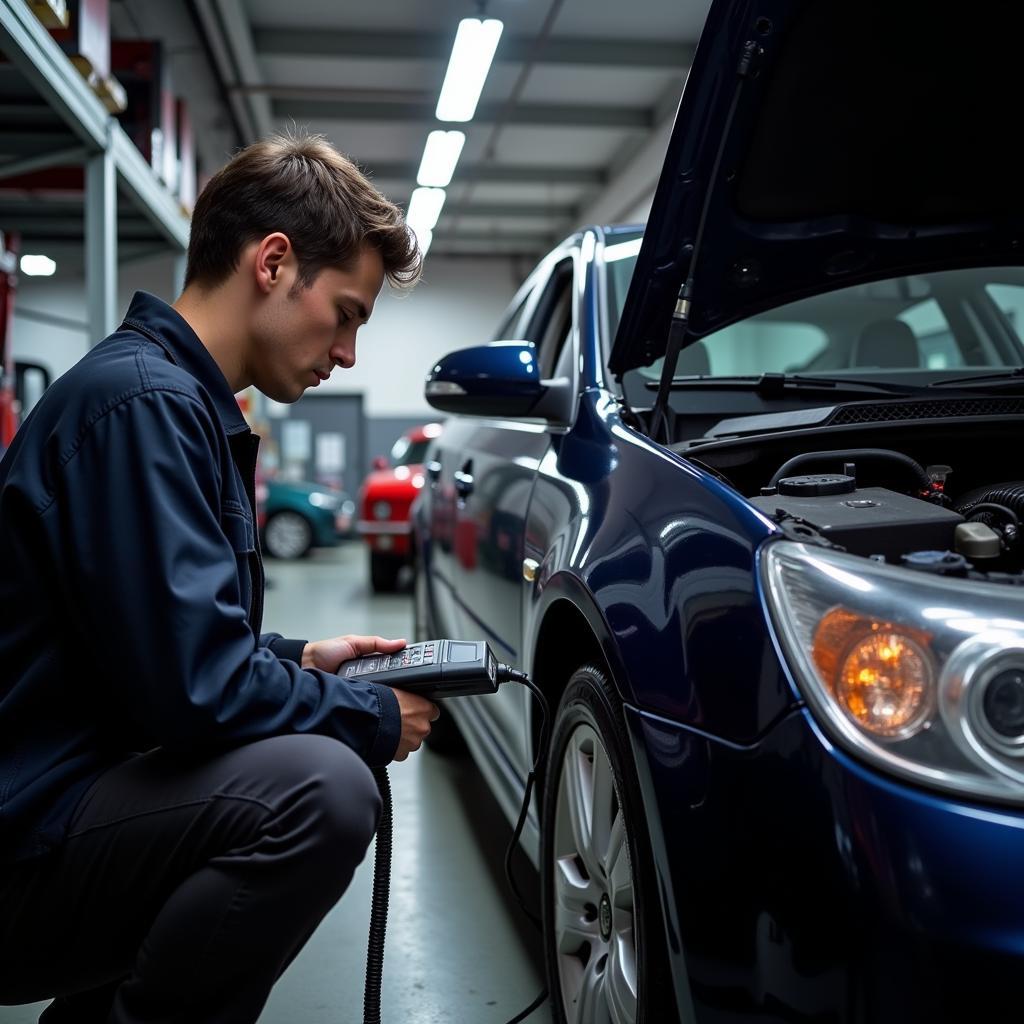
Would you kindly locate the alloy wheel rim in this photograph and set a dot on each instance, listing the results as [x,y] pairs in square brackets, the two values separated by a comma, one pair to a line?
[287,535]
[593,890]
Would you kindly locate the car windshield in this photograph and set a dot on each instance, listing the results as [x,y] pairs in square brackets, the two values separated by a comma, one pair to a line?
[914,329]
[408,453]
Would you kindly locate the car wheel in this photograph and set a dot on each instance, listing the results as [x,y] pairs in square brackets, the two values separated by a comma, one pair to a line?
[604,940]
[287,535]
[384,570]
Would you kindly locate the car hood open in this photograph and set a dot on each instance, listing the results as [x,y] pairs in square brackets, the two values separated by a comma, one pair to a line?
[868,140]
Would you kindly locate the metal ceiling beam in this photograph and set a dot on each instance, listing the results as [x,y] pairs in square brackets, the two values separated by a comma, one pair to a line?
[505,174]
[538,114]
[544,211]
[642,53]
[529,240]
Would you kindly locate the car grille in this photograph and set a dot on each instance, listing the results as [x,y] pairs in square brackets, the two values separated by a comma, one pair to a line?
[887,412]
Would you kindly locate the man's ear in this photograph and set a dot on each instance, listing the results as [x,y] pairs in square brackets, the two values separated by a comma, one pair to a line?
[271,255]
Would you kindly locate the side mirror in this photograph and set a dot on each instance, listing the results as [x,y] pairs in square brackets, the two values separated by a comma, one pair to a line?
[379,462]
[499,379]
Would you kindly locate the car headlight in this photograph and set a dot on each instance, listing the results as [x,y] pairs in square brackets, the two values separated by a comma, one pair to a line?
[381,510]
[321,499]
[921,675]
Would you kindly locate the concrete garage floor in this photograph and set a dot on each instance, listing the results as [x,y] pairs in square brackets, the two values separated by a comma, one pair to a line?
[458,949]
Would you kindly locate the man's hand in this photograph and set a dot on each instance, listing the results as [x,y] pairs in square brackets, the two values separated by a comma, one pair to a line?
[327,655]
[417,712]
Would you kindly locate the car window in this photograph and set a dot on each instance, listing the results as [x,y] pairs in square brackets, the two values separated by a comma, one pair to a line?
[551,324]
[1010,299]
[936,343]
[755,347]
[926,322]
[409,453]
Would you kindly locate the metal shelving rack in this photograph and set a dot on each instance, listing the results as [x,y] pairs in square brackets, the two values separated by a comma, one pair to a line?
[50,118]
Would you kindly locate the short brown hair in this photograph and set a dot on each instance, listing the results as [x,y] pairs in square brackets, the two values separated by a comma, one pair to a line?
[303,187]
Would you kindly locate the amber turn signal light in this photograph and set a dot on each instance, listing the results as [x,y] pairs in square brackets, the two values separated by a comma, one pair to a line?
[880,673]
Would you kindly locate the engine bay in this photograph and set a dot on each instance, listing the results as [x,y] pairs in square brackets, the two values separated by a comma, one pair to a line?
[944,501]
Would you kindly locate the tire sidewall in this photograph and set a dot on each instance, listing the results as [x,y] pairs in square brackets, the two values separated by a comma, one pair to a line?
[590,699]
[300,518]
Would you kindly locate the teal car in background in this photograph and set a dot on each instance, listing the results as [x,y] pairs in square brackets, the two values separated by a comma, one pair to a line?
[295,516]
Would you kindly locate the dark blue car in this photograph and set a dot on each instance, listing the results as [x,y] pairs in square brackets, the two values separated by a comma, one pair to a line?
[743,494]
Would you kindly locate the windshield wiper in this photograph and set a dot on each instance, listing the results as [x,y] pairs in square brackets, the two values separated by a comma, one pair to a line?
[1014,376]
[776,385]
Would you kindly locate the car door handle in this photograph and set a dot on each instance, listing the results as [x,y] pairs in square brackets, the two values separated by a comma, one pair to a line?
[464,480]
[433,471]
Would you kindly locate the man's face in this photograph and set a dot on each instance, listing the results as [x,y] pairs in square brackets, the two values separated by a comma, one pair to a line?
[301,334]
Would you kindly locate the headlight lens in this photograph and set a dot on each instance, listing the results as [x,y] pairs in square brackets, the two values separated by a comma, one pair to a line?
[381,509]
[322,499]
[921,675]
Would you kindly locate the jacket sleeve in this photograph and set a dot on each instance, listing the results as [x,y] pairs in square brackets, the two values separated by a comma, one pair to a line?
[290,650]
[146,561]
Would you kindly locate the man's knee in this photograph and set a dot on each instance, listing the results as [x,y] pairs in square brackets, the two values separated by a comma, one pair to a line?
[335,792]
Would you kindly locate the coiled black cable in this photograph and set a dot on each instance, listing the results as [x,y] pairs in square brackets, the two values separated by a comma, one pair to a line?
[378,902]
[382,864]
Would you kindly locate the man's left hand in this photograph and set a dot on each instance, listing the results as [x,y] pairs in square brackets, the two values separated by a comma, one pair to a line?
[327,655]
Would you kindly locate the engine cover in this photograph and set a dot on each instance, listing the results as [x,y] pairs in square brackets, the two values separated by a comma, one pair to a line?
[870,520]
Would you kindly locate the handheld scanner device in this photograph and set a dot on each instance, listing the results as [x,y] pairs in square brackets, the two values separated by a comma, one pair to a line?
[432,669]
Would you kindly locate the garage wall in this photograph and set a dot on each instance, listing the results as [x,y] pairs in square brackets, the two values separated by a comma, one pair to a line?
[458,302]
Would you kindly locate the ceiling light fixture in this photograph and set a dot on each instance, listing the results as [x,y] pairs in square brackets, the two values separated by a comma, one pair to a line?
[424,208]
[472,53]
[440,155]
[37,265]
[423,239]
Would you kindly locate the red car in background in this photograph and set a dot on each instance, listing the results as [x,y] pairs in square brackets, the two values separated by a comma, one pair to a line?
[384,501]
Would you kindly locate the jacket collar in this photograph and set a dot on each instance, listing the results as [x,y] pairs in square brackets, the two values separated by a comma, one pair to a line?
[168,328]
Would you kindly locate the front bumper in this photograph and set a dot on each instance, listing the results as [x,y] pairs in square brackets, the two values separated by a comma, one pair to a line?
[800,885]
[386,536]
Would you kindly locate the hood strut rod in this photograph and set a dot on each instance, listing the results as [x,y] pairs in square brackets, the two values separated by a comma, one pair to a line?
[661,418]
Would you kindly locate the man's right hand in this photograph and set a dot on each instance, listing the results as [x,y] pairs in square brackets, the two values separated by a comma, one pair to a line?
[417,714]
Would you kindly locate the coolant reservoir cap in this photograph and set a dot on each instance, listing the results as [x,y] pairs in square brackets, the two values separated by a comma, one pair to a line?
[817,485]
[977,540]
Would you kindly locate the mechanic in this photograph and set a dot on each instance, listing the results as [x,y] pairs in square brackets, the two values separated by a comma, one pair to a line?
[182,799]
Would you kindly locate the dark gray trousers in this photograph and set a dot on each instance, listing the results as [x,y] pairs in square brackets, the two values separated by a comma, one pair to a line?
[186,885]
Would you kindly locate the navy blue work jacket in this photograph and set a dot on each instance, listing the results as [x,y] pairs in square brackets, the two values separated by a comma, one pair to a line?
[131,585]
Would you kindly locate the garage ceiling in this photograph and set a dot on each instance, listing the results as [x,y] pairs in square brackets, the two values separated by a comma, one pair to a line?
[576,90]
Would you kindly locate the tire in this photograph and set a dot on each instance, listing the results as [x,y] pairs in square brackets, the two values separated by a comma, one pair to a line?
[384,570]
[604,941]
[287,535]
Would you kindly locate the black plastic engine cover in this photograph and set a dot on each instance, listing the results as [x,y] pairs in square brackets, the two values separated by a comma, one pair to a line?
[870,520]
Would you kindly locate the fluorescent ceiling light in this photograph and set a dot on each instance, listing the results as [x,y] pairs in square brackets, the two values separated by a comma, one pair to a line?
[472,53]
[440,155]
[423,239]
[37,266]
[424,208]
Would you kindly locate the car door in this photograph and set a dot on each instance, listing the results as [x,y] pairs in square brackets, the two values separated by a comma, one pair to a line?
[493,482]
[445,459]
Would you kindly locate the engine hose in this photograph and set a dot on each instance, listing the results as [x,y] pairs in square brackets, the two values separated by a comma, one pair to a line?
[379,902]
[990,506]
[1010,495]
[882,454]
